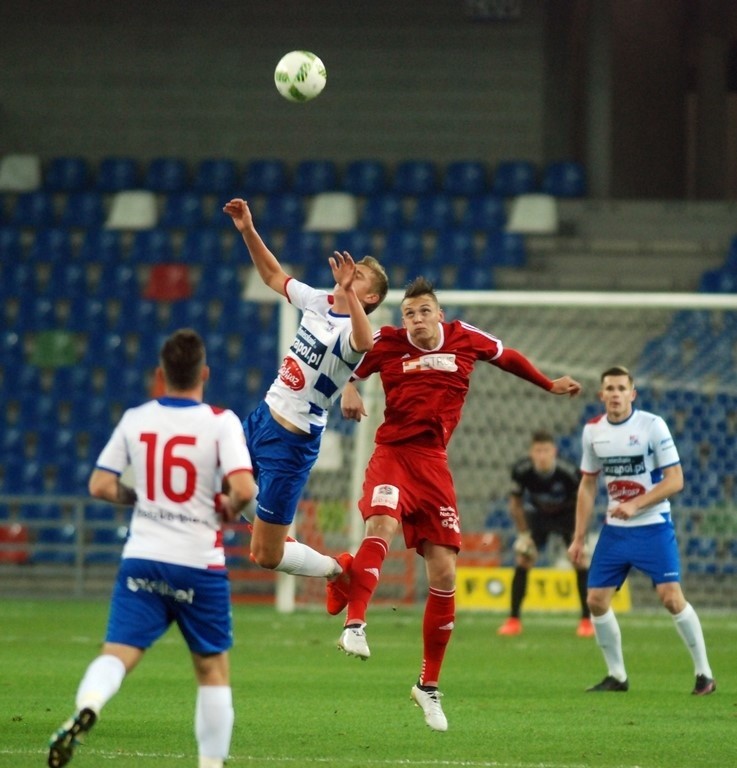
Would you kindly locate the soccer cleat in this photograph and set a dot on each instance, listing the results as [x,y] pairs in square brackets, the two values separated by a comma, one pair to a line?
[610,683]
[353,641]
[704,685]
[337,588]
[69,736]
[429,702]
[585,628]
[512,626]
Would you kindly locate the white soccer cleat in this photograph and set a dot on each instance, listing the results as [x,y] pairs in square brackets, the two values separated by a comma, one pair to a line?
[429,702]
[353,641]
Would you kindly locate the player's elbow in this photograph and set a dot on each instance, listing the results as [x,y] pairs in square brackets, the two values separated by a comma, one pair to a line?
[364,346]
[99,484]
[242,488]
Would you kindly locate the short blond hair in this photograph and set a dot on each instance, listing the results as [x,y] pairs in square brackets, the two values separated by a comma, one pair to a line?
[379,283]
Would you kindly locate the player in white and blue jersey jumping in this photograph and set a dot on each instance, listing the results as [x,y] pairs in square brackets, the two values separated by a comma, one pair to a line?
[637,455]
[284,432]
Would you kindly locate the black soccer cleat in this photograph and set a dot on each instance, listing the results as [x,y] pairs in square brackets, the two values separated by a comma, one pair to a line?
[70,735]
[704,685]
[610,683]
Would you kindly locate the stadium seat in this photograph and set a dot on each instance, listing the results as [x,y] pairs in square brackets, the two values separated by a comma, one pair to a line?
[51,244]
[67,174]
[365,177]
[54,545]
[303,247]
[432,212]
[168,282]
[484,213]
[20,173]
[152,246]
[83,210]
[282,211]
[11,245]
[718,281]
[219,281]
[514,177]
[331,212]
[216,176]
[504,249]
[533,214]
[265,176]
[104,246]
[117,174]
[117,281]
[357,242]
[132,209]
[68,281]
[565,178]
[413,178]
[453,245]
[314,176]
[465,178]
[203,247]
[105,545]
[402,246]
[34,209]
[53,348]
[166,175]
[382,212]
[473,276]
[11,349]
[182,210]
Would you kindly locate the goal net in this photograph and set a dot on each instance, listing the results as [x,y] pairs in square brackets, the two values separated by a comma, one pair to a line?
[682,350]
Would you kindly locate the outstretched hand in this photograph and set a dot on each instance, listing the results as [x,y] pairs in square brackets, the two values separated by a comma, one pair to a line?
[239,211]
[344,269]
[565,385]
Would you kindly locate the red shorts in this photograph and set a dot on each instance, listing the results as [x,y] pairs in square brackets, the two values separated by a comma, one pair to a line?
[413,485]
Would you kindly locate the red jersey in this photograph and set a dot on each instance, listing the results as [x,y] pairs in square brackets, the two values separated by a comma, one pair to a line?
[425,389]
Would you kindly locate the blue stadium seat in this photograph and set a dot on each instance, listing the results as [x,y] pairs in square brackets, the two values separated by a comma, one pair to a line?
[105,545]
[383,212]
[484,213]
[182,210]
[504,249]
[166,174]
[465,178]
[454,246]
[152,246]
[565,178]
[473,276]
[116,174]
[415,177]
[83,210]
[117,281]
[357,242]
[402,246]
[314,176]
[218,281]
[514,177]
[11,245]
[12,440]
[302,247]
[104,246]
[718,281]
[51,244]
[215,175]
[365,177]
[265,176]
[282,211]
[19,280]
[432,271]
[34,209]
[34,512]
[203,246]
[318,274]
[54,545]
[67,174]
[68,281]
[432,212]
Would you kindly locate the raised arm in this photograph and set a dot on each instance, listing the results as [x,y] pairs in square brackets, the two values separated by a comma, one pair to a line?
[344,272]
[263,259]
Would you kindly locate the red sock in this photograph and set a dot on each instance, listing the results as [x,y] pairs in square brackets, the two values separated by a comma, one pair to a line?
[365,577]
[437,626]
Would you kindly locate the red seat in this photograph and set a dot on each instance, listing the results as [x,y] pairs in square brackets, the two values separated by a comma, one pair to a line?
[168,282]
[13,543]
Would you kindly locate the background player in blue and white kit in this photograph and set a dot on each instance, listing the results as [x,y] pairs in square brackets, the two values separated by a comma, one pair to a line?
[642,470]
[173,565]
[284,432]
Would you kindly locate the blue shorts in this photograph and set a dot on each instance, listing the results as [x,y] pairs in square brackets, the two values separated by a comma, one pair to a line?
[148,596]
[282,461]
[652,549]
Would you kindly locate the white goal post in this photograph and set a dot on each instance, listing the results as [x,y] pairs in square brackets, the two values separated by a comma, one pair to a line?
[576,333]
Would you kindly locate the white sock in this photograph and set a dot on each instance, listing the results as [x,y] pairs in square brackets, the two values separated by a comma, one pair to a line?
[301,560]
[213,724]
[689,628]
[609,639]
[100,683]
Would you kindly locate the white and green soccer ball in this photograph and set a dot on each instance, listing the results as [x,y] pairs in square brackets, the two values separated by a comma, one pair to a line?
[300,76]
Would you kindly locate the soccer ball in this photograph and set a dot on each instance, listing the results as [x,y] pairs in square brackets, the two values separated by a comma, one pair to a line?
[300,76]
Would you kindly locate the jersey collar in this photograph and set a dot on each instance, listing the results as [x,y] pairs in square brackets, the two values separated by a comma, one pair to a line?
[177,402]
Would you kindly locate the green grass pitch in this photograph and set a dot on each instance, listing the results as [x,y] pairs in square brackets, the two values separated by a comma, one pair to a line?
[510,702]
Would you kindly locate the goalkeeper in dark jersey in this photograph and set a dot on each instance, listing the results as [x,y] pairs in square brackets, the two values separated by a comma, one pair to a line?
[542,502]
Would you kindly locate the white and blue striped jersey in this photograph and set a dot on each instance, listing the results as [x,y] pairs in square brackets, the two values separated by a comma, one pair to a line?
[632,455]
[319,362]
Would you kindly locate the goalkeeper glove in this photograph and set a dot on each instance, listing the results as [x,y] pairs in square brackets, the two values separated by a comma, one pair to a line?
[524,545]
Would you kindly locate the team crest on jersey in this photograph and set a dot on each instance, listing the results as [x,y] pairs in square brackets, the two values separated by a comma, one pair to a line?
[432,362]
[634,440]
[291,374]
[308,348]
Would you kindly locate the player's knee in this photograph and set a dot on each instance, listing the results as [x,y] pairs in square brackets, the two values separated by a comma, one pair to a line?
[266,558]
[598,604]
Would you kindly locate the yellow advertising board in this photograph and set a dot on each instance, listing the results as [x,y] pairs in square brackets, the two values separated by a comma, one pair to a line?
[548,589]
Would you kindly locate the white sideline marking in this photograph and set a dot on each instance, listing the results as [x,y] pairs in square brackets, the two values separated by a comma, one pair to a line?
[342,760]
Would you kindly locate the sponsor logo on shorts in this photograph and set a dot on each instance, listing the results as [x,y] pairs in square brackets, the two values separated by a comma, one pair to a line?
[160,588]
[450,519]
[385,496]
[291,374]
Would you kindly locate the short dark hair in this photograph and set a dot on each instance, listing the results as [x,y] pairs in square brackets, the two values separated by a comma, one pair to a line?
[182,357]
[542,436]
[617,370]
[420,286]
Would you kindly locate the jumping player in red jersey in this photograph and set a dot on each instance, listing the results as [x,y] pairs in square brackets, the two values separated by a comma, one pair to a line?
[425,368]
